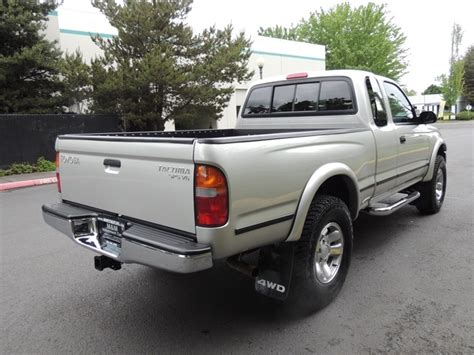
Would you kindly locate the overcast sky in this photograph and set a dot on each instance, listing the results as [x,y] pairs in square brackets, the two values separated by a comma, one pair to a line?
[427,25]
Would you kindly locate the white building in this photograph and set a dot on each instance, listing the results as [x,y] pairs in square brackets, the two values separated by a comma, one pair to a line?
[275,56]
[433,102]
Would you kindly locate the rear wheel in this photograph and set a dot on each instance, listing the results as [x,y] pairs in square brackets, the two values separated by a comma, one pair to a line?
[433,191]
[322,255]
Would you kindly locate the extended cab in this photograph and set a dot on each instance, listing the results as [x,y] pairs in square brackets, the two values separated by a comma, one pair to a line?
[310,151]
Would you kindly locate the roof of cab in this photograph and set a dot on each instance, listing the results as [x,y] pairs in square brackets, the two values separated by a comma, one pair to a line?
[318,74]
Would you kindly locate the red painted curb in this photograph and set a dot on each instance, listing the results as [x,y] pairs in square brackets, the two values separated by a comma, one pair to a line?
[17,184]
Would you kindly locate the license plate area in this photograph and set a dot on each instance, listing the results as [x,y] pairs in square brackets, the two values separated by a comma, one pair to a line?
[110,233]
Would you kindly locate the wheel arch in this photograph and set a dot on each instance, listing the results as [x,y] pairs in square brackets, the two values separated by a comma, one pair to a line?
[335,179]
[440,148]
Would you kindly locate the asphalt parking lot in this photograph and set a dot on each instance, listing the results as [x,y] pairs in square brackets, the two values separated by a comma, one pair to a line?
[410,288]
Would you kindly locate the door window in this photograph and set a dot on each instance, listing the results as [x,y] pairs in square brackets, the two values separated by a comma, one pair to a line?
[402,112]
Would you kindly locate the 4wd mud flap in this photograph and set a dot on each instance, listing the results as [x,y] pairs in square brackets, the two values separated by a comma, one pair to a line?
[275,267]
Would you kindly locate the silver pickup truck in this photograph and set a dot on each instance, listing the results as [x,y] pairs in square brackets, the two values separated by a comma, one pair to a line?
[276,196]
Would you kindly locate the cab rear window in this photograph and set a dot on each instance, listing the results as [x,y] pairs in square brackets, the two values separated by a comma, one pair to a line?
[307,98]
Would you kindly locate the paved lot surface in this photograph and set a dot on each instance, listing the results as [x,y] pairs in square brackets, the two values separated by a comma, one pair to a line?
[410,288]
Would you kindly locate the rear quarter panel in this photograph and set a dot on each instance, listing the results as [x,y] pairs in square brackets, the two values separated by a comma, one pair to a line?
[267,177]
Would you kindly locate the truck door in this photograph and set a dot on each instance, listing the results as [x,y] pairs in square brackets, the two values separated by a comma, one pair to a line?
[385,138]
[413,143]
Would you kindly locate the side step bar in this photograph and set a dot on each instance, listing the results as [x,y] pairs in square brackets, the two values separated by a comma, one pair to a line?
[389,209]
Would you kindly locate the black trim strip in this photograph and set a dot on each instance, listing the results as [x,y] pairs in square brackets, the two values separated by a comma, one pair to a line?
[129,139]
[400,175]
[371,186]
[263,224]
[64,215]
[212,136]
[267,136]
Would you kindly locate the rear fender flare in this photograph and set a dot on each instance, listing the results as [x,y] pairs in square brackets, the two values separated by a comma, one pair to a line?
[321,175]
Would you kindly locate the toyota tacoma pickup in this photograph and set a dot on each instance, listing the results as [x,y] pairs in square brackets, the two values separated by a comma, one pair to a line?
[276,196]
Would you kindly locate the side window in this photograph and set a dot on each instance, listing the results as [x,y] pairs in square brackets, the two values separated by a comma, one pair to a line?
[259,101]
[376,102]
[399,104]
[283,98]
[306,97]
[335,95]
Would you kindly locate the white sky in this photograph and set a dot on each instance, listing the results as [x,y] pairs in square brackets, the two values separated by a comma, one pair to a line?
[427,25]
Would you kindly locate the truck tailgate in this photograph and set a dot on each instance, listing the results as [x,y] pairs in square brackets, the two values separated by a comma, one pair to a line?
[150,181]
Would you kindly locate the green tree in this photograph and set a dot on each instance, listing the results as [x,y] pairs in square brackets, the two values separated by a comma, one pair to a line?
[77,81]
[362,37]
[156,69]
[452,84]
[432,89]
[408,92]
[469,75]
[277,31]
[29,64]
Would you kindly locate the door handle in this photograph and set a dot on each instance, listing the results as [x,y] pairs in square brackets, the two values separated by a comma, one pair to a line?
[403,139]
[112,162]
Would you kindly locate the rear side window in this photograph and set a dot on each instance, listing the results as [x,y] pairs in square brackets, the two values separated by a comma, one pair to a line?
[283,98]
[259,101]
[304,98]
[334,96]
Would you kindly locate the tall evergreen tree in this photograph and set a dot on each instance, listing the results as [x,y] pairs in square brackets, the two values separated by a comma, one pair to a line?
[469,75]
[156,69]
[29,64]
[77,81]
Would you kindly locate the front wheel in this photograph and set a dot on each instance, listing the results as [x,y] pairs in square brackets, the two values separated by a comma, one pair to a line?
[322,255]
[433,191]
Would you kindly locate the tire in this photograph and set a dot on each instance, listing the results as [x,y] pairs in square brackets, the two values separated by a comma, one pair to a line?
[432,192]
[313,287]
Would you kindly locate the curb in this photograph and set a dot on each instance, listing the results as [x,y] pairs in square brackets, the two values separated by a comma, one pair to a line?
[17,184]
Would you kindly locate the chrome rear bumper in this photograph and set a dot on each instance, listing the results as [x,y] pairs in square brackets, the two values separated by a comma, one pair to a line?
[138,243]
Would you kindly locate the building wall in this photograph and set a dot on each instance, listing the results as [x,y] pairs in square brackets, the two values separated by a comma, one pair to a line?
[433,102]
[279,56]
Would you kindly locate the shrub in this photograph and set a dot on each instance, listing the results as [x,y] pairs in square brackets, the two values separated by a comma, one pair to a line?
[45,165]
[465,115]
[41,165]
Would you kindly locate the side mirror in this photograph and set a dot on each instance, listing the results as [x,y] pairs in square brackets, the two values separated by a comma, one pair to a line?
[427,117]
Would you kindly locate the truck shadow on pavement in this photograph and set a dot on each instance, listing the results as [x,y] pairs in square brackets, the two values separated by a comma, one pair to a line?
[220,301]
[140,309]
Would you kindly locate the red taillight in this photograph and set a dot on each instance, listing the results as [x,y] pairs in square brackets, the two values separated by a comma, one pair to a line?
[297,75]
[211,196]
[58,178]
